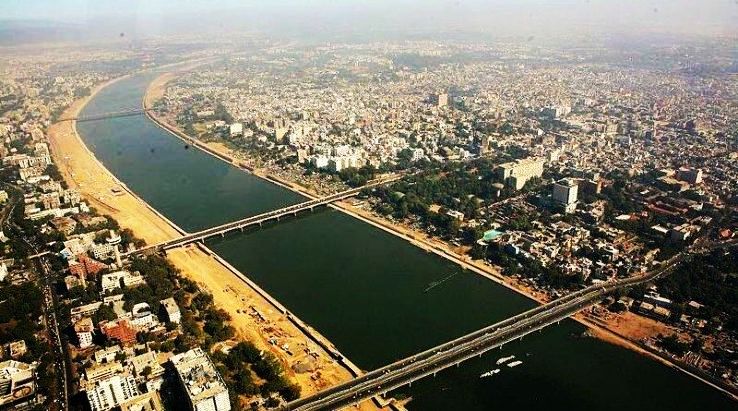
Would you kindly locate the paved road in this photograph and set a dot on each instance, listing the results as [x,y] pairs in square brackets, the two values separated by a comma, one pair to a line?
[122,113]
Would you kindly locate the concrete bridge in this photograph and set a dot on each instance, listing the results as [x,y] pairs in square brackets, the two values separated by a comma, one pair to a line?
[257,219]
[474,344]
[122,113]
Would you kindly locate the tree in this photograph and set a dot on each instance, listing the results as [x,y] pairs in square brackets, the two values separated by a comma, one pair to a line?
[104,313]
[290,392]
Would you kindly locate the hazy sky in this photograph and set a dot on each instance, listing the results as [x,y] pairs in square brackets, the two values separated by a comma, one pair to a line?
[521,17]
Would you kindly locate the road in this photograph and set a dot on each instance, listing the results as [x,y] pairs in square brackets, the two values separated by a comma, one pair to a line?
[61,359]
[63,368]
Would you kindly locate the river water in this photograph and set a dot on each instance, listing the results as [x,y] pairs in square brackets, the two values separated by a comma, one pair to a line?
[370,292]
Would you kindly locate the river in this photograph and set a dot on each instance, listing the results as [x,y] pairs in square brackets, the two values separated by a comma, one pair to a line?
[368,291]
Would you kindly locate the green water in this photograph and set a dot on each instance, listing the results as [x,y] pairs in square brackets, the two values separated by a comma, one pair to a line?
[365,289]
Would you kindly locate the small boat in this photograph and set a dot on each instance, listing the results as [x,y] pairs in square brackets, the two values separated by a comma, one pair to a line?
[504,359]
[514,364]
[490,373]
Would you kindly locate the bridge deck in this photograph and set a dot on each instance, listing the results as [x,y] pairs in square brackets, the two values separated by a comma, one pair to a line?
[255,220]
[102,116]
[473,344]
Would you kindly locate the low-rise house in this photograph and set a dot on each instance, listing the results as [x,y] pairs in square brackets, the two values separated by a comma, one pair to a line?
[120,330]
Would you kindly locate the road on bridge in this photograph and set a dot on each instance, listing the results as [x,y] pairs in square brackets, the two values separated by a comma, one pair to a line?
[474,344]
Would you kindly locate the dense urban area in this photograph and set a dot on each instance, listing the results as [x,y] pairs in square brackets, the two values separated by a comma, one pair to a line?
[548,168]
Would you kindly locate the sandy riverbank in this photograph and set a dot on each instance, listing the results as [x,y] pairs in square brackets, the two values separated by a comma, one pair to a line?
[252,315]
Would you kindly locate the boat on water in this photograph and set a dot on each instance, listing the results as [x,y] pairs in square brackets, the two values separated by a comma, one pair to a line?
[504,360]
[514,364]
[490,373]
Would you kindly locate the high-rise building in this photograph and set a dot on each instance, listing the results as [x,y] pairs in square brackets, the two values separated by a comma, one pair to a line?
[442,100]
[171,309]
[565,193]
[112,392]
[203,385]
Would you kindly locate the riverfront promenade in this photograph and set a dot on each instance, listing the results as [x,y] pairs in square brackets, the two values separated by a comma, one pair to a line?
[255,318]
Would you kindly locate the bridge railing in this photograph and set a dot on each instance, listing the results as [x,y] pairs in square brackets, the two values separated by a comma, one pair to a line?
[112,114]
[222,228]
[540,316]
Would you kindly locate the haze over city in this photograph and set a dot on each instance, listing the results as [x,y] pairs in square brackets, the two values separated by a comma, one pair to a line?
[316,19]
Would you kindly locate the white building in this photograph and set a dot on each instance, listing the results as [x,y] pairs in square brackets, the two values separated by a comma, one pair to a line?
[118,279]
[103,251]
[17,382]
[343,162]
[516,173]
[110,393]
[418,154]
[84,329]
[172,310]
[319,161]
[236,129]
[204,387]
